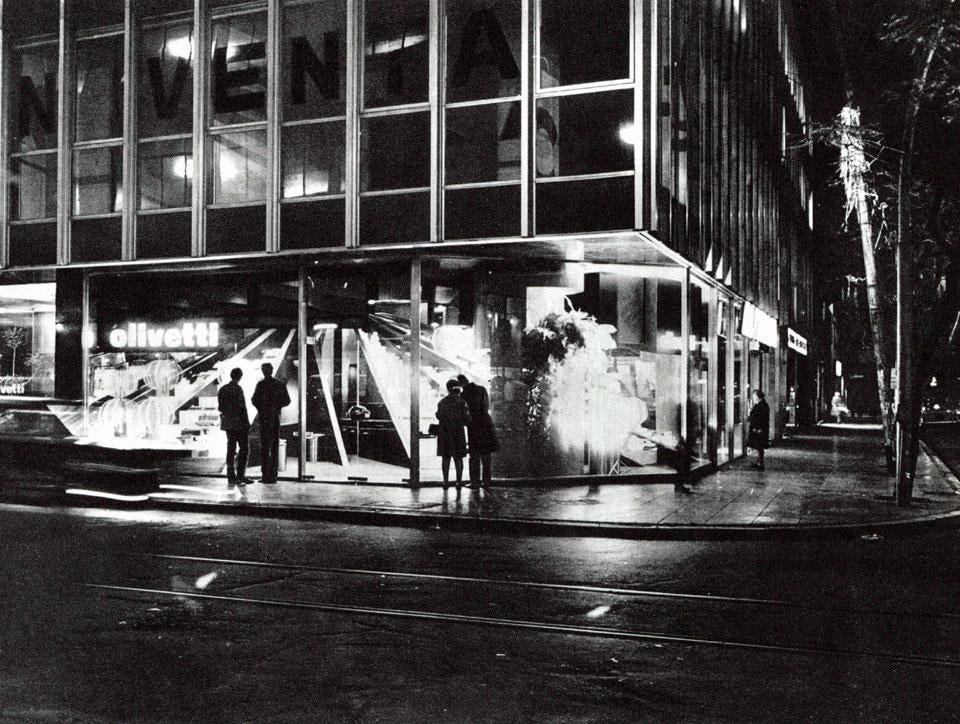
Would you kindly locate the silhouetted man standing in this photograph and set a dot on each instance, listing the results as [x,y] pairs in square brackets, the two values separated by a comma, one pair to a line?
[235,422]
[269,398]
[483,437]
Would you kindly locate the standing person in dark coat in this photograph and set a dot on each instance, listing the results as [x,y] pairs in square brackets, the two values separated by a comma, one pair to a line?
[759,426]
[269,398]
[454,416]
[483,437]
[235,422]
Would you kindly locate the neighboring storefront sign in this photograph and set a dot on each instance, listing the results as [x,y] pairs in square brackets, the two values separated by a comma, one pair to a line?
[163,336]
[759,325]
[796,342]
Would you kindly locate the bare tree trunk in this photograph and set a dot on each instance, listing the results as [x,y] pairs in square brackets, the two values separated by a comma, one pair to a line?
[853,165]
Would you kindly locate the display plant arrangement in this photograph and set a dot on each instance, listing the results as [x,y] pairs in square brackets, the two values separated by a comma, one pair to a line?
[575,407]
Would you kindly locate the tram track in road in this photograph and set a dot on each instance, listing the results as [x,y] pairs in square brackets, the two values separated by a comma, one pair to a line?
[546,585]
[706,604]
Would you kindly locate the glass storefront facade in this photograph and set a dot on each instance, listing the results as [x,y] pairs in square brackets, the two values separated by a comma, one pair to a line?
[583,362]
[245,151]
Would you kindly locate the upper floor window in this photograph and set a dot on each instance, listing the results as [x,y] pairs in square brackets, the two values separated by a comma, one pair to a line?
[33,107]
[396,58]
[238,69]
[314,60]
[165,87]
[593,48]
[483,49]
[99,88]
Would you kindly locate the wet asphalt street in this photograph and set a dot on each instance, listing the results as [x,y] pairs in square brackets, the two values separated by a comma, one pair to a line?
[152,616]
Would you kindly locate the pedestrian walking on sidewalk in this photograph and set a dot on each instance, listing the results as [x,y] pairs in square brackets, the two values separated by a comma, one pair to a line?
[454,416]
[235,422]
[269,398]
[758,425]
[483,438]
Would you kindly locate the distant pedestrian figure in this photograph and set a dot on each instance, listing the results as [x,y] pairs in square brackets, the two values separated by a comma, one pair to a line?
[759,426]
[454,416]
[235,422]
[269,398]
[838,407]
[483,437]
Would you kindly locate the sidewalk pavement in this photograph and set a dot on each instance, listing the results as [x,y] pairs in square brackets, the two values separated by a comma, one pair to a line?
[830,481]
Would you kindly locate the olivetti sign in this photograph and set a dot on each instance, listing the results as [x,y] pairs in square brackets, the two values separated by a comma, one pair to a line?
[183,336]
[244,88]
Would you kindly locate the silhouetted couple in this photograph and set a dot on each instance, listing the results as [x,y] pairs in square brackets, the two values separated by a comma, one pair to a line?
[466,406]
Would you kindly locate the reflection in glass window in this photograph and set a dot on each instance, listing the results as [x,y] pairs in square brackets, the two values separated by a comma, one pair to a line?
[166,173]
[314,67]
[33,106]
[238,72]
[97,173]
[238,167]
[483,143]
[99,88]
[313,160]
[396,45]
[34,187]
[139,388]
[594,48]
[395,152]
[581,364]
[27,339]
[582,134]
[165,102]
[483,49]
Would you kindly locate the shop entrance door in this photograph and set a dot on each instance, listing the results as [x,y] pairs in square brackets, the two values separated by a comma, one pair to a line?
[358,376]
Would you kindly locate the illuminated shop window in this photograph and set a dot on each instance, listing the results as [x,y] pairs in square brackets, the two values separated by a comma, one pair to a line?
[582,363]
[27,339]
[155,365]
[358,375]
